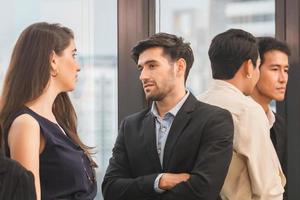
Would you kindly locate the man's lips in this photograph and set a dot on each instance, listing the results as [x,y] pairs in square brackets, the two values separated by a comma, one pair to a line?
[147,85]
[281,89]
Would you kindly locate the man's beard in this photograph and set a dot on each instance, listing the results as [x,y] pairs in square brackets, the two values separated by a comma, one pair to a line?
[156,97]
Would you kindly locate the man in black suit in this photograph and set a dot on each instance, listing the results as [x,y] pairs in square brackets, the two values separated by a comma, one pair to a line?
[272,86]
[179,148]
[16,183]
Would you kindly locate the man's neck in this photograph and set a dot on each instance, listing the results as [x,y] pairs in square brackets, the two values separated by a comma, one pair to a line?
[169,102]
[260,99]
[237,83]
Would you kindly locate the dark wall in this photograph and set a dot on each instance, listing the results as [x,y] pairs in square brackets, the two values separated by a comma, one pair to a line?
[287,28]
[136,21]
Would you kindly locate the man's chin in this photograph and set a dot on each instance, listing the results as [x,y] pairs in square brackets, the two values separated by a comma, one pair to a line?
[278,99]
[150,97]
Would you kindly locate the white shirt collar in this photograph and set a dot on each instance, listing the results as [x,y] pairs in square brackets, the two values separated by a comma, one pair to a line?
[173,111]
[271,117]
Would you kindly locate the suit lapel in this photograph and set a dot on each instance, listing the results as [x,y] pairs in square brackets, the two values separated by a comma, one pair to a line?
[179,124]
[150,140]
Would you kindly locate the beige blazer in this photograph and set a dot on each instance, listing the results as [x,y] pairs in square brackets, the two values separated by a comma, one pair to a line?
[255,172]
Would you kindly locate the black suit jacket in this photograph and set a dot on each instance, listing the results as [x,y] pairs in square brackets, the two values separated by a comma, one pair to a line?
[16,183]
[199,143]
[279,139]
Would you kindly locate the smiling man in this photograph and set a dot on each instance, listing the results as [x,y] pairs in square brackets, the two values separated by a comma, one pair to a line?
[272,86]
[177,149]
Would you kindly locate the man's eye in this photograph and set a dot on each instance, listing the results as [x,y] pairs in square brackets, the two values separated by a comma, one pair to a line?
[151,66]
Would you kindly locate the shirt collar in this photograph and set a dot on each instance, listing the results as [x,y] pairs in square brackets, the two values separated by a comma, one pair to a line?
[271,117]
[221,83]
[173,111]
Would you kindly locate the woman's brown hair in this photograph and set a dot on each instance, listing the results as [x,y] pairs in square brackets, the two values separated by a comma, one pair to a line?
[29,72]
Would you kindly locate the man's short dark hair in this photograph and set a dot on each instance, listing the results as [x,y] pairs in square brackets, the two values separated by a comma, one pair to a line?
[228,51]
[172,46]
[266,44]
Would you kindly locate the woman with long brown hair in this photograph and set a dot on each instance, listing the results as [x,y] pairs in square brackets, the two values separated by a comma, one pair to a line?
[37,118]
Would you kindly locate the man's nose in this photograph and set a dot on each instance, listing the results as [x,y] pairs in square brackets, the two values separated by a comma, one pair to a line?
[283,76]
[143,74]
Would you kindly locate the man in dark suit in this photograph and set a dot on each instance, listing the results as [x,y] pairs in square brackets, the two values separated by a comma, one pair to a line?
[272,86]
[16,183]
[179,148]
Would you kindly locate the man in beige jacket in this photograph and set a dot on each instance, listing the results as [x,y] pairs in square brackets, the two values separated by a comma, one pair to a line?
[255,172]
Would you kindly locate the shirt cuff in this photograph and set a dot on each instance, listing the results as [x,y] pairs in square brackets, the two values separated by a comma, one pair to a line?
[156,184]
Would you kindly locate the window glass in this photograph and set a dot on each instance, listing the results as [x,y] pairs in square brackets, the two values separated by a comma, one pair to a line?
[198,21]
[94,23]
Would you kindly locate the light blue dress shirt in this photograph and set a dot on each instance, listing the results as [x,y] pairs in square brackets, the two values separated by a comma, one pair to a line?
[163,125]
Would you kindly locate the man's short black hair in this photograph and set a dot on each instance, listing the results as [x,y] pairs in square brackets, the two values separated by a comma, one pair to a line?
[266,44]
[172,46]
[228,51]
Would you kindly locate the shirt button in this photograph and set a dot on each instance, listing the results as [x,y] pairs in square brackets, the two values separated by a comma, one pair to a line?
[158,151]
[163,129]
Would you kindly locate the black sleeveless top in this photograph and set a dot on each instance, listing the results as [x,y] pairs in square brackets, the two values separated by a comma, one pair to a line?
[65,170]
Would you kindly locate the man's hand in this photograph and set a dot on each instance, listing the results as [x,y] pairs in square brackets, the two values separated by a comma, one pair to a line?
[168,180]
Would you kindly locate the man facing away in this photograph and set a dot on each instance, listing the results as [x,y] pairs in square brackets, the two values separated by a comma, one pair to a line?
[255,171]
[271,85]
[179,148]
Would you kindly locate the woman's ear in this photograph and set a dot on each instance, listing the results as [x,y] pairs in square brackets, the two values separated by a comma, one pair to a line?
[53,64]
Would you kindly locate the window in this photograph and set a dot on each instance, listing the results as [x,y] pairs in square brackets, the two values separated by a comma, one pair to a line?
[94,23]
[199,21]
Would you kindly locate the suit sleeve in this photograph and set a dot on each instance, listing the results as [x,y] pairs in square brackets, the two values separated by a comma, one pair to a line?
[25,189]
[211,165]
[118,184]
